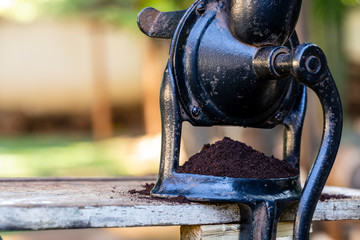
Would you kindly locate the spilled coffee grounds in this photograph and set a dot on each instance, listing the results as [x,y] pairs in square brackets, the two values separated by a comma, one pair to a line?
[146,191]
[326,197]
[229,158]
[149,186]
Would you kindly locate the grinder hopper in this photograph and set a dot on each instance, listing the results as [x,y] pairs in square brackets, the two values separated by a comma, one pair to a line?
[240,63]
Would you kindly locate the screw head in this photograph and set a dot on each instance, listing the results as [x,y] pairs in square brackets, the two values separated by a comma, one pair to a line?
[313,64]
[278,117]
[195,111]
[200,9]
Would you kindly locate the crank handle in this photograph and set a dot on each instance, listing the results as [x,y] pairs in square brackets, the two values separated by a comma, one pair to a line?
[158,24]
[307,64]
[310,68]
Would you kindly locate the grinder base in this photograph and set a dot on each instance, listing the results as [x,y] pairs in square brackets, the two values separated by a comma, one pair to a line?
[261,201]
[225,189]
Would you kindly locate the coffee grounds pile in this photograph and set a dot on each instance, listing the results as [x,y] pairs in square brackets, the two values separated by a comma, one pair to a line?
[229,158]
[149,186]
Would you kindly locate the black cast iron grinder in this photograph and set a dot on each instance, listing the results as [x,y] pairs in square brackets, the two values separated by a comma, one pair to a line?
[239,62]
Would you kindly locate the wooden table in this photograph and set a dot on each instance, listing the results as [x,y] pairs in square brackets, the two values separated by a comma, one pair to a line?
[39,204]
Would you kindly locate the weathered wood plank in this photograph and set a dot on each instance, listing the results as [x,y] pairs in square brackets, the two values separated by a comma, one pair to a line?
[347,208]
[22,218]
[88,203]
[59,204]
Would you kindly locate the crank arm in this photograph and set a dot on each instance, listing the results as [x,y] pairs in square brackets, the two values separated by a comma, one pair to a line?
[307,64]
[309,67]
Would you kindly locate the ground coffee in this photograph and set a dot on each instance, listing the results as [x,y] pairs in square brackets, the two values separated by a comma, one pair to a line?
[235,159]
[149,186]
[146,191]
[326,196]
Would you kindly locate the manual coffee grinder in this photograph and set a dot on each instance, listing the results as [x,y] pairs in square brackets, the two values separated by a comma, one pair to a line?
[237,62]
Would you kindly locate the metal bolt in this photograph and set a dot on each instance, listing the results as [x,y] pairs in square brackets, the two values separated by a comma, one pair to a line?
[201,8]
[313,64]
[278,117]
[195,111]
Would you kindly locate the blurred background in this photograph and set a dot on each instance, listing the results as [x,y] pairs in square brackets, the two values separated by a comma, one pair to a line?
[79,96]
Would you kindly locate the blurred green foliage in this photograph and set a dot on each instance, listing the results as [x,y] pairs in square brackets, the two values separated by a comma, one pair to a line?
[123,12]
[328,10]
[117,12]
[331,11]
[325,28]
[63,155]
[30,156]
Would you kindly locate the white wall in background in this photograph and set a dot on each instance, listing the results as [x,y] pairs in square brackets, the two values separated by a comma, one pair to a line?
[46,66]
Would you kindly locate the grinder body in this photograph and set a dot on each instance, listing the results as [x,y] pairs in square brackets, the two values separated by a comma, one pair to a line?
[232,62]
